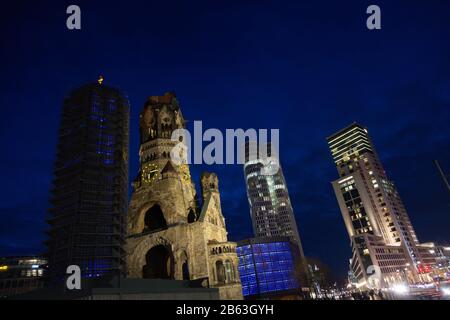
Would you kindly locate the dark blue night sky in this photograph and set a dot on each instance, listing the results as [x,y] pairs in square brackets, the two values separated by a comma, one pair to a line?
[308,68]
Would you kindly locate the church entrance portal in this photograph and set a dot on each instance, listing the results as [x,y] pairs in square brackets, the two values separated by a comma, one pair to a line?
[159,263]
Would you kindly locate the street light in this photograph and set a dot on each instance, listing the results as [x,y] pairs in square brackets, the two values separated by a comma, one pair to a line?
[400,289]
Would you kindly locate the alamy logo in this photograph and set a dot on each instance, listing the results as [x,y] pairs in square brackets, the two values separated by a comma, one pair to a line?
[74,20]
[221,149]
[374,276]
[73,281]
[374,20]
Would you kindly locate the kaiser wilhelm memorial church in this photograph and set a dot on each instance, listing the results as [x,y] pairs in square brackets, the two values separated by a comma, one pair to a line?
[169,235]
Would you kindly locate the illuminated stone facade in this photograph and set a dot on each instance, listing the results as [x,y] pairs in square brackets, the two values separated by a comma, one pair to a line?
[169,235]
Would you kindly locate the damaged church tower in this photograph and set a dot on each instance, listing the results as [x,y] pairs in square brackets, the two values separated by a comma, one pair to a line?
[168,235]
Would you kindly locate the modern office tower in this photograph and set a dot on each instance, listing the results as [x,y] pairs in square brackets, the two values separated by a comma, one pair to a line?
[267,267]
[90,187]
[21,274]
[169,235]
[385,247]
[270,207]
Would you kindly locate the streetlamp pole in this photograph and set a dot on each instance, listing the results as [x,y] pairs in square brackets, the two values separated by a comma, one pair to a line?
[441,172]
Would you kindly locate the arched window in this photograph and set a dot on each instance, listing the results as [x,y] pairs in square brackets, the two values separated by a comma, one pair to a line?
[185,270]
[192,217]
[154,219]
[159,263]
[220,270]
[229,271]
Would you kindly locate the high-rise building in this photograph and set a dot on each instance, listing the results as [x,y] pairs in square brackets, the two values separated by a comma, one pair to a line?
[169,235]
[90,187]
[385,246]
[270,206]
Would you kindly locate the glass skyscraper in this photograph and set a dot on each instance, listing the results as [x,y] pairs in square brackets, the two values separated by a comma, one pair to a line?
[270,206]
[90,188]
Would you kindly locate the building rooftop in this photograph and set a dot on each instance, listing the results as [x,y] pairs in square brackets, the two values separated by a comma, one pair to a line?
[349,127]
